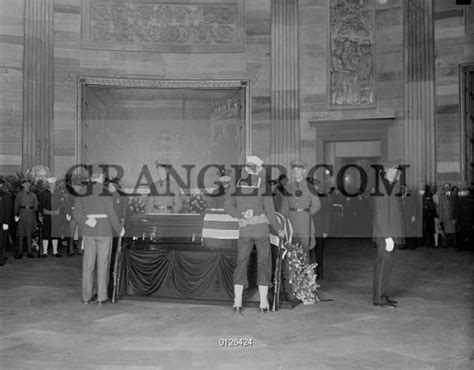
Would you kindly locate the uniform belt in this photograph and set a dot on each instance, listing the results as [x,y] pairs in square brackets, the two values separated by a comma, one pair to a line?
[27,207]
[255,220]
[163,207]
[51,213]
[98,215]
[299,209]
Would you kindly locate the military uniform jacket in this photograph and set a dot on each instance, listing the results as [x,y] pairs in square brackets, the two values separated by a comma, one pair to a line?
[247,195]
[97,204]
[300,209]
[26,205]
[168,199]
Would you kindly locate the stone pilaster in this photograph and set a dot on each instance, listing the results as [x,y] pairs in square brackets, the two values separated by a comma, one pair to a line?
[285,123]
[419,91]
[38,83]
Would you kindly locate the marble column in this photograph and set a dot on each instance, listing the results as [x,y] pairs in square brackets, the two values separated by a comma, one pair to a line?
[285,124]
[419,91]
[38,83]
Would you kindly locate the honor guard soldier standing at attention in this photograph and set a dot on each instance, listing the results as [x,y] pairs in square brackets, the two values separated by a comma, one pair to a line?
[96,215]
[166,197]
[26,206]
[248,202]
[299,204]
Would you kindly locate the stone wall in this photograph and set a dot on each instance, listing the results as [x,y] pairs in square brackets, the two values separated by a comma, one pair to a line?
[11,85]
[454,45]
[314,64]
[72,60]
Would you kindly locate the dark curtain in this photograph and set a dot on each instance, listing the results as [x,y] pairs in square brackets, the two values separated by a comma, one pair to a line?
[191,274]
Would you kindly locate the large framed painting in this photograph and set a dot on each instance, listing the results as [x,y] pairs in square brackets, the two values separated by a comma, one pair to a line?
[193,124]
[351,56]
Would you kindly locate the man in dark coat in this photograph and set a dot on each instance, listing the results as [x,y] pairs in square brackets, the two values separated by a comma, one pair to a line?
[5,219]
[387,230]
[25,208]
[463,214]
[322,227]
[96,215]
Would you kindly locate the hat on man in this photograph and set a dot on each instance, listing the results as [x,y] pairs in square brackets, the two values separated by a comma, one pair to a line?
[298,163]
[163,163]
[253,159]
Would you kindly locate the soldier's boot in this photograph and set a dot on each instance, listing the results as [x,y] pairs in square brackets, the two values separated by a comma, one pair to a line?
[45,249]
[264,305]
[238,291]
[55,248]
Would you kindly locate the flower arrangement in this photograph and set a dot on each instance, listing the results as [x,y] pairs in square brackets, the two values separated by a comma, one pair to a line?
[136,206]
[197,202]
[302,275]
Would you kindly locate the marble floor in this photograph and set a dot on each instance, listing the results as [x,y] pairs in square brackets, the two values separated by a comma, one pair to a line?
[44,325]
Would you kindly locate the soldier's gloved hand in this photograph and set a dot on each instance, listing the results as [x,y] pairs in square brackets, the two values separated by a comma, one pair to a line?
[17,218]
[5,227]
[413,219]
[248,214]
[68,217]
[122,232]
[389,244]
[91,222]
[281,233]
[325,235]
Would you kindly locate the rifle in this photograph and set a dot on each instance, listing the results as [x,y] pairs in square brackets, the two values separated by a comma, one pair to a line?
[277,277]
[117,266]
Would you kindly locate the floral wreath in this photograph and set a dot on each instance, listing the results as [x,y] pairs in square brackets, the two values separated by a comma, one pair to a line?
[302,276]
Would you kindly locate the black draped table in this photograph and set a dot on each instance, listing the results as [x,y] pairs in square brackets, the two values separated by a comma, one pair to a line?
[165,257]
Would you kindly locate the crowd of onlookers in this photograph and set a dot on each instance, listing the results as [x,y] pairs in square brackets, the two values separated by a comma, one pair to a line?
[439,217]
[442,216]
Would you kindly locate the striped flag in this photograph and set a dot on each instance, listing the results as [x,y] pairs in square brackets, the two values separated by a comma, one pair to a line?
[287,228]
[219,225]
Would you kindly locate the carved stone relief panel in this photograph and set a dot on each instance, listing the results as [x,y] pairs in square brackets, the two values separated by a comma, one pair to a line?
[183,26]
[351,80]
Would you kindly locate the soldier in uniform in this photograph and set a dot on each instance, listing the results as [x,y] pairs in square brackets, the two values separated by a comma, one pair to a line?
[50,200]
[5,219]
[387,230]
[249,203]
[300,204]
[25,208]
[96,215]
[168,198]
